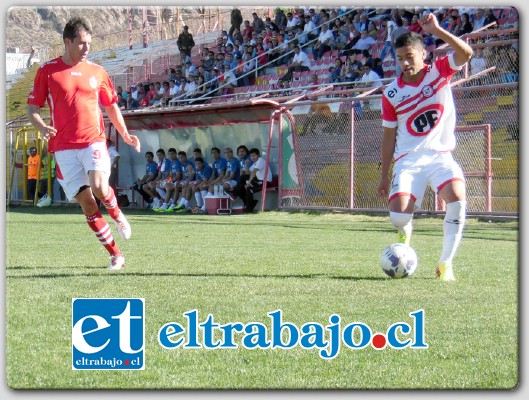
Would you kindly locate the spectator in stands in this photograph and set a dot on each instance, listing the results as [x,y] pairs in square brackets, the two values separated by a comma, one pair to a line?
[310,29]
[377,67]
[270,26]
[314,16]
[173,89]
[228,79]
[490,18]
[415,26]
[301,37]
[365,42]
[143,101]
[399,30]
[280,19]
[389,27]
[151,171]
[465,27]
[190,69]
[257,24]
[262,57]
[336,74]
[405,14]
[209,63]
[247,29]
[354,37]
[365,57]
[122,103]
[134,91]
[185,42]
[364,23]
[371,79]
[172,74]
[152,95]
[300,63]
[478,19]
[339,39]
[372,30]
[324,42]
[229,61]
[352,70]
[255,181]
[200,91]
[292,22]
[453,24]
[248,71]
[236,20]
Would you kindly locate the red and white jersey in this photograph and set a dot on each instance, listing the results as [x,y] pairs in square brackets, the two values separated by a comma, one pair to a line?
[423,112]
[74,95]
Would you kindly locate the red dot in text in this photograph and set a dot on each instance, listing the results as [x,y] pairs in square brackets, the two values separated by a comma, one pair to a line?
[378,341]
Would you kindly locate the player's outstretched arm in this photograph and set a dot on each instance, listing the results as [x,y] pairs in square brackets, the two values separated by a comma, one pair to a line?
[462,51]
[114,114]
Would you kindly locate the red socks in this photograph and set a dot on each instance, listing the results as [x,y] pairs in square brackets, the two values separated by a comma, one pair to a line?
[98,224]
[111,204]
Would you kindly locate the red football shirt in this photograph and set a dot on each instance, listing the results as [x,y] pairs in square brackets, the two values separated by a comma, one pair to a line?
[74,95]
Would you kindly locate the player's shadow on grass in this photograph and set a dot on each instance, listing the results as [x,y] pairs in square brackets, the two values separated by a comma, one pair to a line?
[120,274]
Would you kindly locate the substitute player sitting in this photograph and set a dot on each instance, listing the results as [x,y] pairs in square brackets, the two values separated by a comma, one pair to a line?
[74,89]
[418,117]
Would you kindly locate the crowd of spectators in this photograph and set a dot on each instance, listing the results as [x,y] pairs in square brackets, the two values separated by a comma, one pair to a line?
[361,40]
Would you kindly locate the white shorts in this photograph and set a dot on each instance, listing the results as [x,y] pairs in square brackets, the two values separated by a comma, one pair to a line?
[413,173]
[73,166]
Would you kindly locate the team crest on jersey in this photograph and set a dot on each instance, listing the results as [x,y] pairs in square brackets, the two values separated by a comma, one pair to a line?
[93,82]
[424,120]
[427,91]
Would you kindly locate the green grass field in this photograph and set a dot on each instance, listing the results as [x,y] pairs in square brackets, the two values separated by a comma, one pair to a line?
[239,268]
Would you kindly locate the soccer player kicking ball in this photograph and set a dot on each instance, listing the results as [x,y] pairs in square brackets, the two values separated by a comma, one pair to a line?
[418,117]
[74,88]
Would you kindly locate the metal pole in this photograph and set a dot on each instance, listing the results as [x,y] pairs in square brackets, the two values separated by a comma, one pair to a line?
[351,165]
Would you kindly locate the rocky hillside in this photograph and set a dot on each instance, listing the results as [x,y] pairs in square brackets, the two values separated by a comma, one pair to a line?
[40,27]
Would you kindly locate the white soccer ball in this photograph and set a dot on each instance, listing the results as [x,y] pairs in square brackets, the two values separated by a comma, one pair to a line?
[398,260]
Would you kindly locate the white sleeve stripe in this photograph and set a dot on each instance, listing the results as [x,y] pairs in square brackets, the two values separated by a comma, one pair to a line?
[452,63]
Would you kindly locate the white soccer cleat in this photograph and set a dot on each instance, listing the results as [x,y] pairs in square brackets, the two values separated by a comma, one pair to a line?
[117,262]
[123,226]
[156,204]
[45,201]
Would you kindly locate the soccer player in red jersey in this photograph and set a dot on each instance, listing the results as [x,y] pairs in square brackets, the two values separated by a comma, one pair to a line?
[418,117]
[74,89]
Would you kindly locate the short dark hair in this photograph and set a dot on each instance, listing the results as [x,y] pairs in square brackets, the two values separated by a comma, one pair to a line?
[149,153]
[215,148]
[160,151]
[74,25]
[242,146]
[255,151]
[199,159]
[182,153]
[171,150]
[409,39]
[197,150]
